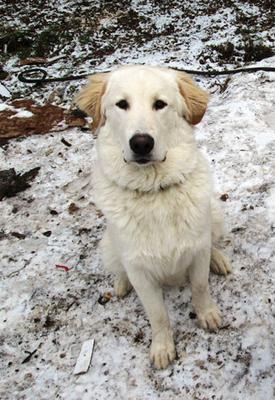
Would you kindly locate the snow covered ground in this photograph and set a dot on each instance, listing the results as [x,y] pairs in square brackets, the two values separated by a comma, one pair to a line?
[50,312]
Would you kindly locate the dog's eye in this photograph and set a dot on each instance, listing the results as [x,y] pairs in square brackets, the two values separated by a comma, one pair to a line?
[123,104]
[159,104]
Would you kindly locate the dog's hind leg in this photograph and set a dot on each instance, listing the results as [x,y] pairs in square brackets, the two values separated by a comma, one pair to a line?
[219,263]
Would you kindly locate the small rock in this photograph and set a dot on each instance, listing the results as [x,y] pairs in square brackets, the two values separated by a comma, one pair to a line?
[224,197]
[47,233]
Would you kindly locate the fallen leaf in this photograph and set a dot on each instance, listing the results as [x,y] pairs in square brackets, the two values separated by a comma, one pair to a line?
[105,298]
[73,208]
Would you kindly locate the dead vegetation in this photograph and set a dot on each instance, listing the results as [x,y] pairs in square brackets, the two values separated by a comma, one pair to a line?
[41,120]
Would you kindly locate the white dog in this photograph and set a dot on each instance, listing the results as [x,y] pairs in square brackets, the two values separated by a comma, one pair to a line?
[155,189]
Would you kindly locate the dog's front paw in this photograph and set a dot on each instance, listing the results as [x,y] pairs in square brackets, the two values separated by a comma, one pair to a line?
[210,318]
[163,350]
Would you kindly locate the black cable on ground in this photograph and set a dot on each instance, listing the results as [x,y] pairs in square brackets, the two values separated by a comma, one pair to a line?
[23,76]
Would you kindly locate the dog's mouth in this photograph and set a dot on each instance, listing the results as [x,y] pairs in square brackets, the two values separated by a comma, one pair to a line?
[144,161]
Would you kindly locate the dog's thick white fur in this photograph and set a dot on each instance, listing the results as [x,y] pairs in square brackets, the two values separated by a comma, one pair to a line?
[162,219]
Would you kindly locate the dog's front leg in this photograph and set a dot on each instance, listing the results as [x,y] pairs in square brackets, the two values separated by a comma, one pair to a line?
[208,314]
[150,293]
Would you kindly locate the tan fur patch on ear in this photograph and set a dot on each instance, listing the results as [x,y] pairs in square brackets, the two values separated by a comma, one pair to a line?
[89,98]
[196,99]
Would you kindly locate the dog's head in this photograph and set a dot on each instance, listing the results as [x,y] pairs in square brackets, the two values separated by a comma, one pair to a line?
[145,108]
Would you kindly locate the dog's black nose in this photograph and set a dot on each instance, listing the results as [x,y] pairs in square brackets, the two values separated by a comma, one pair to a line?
[141,144]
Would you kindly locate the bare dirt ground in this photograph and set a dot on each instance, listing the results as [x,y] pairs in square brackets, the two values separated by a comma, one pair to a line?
[48,311]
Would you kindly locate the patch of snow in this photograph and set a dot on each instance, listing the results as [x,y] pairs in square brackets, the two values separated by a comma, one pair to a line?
[21,113]
[4,107]
[270,204]
[4,91]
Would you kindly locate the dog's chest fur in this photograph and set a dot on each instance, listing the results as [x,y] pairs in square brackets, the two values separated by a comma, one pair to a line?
[163,224]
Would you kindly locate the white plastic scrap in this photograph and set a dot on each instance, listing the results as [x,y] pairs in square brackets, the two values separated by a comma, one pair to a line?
[84,358]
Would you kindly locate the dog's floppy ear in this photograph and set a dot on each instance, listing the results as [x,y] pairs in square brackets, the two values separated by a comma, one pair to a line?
[89,98]
[195,98]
